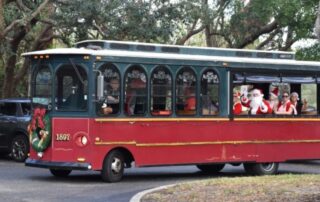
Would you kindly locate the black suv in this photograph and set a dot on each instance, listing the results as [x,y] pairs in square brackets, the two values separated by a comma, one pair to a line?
[15,115]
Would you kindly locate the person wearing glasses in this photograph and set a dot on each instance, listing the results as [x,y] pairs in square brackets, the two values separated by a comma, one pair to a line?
[285,107]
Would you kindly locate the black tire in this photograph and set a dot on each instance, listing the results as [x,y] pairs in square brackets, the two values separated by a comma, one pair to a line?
[60,173]
[113,167]
[19,148]
[212,168]
[261,168]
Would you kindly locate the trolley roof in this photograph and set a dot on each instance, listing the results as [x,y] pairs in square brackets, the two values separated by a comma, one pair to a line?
[186,53]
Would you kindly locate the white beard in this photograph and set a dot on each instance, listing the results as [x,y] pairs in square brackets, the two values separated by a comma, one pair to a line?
[255,104]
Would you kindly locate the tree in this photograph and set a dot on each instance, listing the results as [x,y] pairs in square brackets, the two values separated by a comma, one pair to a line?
[273,24]
[24,26]
[32,24]
[145,21]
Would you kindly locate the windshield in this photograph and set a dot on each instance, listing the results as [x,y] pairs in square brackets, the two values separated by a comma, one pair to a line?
[71,86]
[42,85]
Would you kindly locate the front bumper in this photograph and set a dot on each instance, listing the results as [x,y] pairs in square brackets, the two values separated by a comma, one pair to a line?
[57,165]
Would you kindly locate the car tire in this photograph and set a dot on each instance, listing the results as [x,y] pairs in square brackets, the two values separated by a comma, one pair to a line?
[19,148]
[261,168]
[60,173]
[113,167]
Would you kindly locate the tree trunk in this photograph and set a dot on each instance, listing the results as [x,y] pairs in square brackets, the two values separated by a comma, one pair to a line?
[9,85]
[317,24]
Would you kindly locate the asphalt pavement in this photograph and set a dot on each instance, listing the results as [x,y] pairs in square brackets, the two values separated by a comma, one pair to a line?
[24,184]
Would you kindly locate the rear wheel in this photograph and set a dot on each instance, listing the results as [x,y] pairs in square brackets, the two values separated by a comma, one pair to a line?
[113,167]
[60,173]
[19,148]
[212,168]
[261,168]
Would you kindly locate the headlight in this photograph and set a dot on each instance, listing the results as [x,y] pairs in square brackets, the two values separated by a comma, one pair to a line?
[84,140]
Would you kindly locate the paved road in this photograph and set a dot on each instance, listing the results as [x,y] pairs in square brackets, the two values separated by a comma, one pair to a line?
[20,183]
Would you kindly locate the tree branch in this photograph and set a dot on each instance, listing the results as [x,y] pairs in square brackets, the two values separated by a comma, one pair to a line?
[268,39]
[27,19]
[255,35]
[192,31]
[21,6]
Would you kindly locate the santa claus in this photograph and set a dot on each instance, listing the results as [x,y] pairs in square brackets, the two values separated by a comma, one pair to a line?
[256,103]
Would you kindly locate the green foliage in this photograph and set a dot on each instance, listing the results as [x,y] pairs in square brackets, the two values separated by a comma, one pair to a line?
[117,20]
[310,53]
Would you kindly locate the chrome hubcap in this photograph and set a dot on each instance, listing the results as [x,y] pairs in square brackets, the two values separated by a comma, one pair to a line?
[267,166]
[19,149]
[116,165]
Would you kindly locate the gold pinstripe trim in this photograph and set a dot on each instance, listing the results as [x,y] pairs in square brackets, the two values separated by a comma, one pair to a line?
[116,143]
[204,119]
[158,119]
[171,144]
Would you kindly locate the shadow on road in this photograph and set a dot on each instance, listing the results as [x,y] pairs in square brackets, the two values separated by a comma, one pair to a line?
[144,175]
[5,157]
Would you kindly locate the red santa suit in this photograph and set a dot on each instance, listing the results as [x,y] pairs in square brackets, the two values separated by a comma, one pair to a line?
[264,108]
[285,107]
[257,104]
[237,108]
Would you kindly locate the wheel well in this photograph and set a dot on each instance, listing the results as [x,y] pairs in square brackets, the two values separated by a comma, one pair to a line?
[18,133]
[128,157]
[23,133]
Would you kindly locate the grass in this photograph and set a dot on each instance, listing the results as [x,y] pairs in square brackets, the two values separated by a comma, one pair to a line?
[287,187]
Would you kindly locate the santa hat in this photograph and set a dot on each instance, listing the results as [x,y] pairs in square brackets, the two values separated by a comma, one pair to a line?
[257,91]
[275,92]
[295,94]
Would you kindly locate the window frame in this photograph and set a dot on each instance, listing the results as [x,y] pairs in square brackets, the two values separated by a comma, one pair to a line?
[124,86]
[56,83]
[196,92]
[200,103]
[171,88]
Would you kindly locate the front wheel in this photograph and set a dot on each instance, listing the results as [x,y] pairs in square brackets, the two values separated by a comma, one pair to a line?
[212,168]
[60,173]
[113,167]
[19,148]
[261,168]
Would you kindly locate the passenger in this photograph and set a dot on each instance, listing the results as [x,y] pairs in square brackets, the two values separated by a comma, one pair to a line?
[111,103]
[190,102]
[274,99]
[256,103]
[135,98]
[238,108]
[298,105]
[285,107]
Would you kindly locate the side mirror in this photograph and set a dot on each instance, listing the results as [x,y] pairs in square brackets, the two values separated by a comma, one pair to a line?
[100,86]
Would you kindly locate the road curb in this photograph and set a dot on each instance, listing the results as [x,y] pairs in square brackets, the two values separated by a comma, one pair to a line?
[137,197]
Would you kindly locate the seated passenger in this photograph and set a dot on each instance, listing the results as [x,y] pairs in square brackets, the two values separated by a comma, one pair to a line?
[238,108]
[135,103]
[273,98]
[111,103]
[285,107]
[298,105]
[256,103]
[190,103]
[209,107]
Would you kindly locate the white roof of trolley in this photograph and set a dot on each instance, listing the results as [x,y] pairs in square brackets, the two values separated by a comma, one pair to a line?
[156,55]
